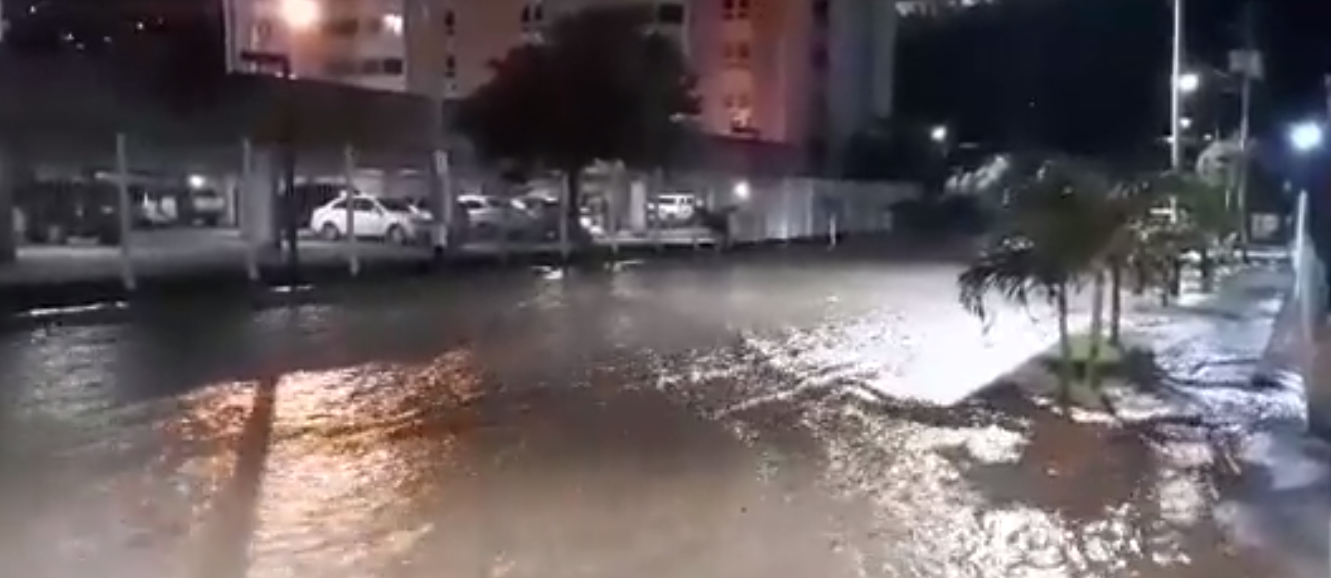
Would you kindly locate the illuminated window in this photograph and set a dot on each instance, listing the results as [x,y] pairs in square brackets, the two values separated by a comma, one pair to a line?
[393,23]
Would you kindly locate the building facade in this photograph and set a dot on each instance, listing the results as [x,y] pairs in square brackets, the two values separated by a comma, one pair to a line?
[803,73]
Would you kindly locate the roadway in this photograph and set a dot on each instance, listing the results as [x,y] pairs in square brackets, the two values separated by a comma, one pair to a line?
[715,417]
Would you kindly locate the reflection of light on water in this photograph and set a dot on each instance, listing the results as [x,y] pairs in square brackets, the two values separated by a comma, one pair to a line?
[355,464]
[940,357]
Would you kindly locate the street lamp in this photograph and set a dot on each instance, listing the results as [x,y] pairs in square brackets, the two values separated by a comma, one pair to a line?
[1189,82]
[938,134]
[742,191]
[1306,136]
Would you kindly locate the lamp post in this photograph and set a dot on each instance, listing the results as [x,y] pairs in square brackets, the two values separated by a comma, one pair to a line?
[1176,90]
[297,16]
[1305,137]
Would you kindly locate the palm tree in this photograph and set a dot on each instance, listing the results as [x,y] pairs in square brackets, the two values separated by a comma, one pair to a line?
[1055,234]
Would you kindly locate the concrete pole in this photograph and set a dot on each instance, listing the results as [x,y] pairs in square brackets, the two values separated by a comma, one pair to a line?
[8,212]
[124,213]
[564,200]
[349,242]
[246,197]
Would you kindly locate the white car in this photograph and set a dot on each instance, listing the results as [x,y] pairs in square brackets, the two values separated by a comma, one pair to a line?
[674,207]
[393,220]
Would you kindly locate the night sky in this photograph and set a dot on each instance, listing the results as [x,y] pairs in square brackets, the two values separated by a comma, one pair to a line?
[1079,75]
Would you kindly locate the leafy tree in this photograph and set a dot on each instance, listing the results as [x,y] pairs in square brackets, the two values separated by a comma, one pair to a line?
[603,86]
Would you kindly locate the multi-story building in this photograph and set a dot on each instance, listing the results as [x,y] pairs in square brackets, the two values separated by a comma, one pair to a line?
[799,72]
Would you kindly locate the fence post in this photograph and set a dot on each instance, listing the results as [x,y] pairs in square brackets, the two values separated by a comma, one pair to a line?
[349,243]
[612,207]
[245,214]
[124,221]
[564,199]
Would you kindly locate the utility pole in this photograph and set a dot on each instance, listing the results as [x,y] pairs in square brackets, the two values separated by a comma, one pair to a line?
[1249,67]
[1175,92]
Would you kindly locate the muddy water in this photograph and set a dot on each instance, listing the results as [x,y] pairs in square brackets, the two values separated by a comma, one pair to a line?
[689,421]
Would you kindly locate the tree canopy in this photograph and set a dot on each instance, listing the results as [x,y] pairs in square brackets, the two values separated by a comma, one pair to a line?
[602,86]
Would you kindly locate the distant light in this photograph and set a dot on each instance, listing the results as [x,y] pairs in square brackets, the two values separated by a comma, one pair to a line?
[300,14]
[742,191]
[1305,136]
[197,181]
[1189,82]
[1185,123]
[393,23]
[939,133]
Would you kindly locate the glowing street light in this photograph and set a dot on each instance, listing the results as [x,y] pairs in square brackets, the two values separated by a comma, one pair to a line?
[939,133]
[1189,82]
[1306,136]
[300,15]
[742,190]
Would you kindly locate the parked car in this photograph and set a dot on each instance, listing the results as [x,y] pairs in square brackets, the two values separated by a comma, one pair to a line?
[491,217]
[310,197]
[56,211]
[673,207]
[393,220]
[154,207]
[202,206]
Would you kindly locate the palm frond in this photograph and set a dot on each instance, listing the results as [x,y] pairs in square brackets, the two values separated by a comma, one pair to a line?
[1011,273]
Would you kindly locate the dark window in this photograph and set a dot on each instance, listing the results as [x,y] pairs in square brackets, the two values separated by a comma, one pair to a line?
[532,15]
[818,57]
[339,205]
[450,66]
[342,27]
[341,68]
[735,9]
[450,23]
[394,66]
[821,12]
[670,13]
[363,206]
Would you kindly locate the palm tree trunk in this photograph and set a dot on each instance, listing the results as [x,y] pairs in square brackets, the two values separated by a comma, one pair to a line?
[1097,329]
[1064,348]
[1207,269]
[1116,303]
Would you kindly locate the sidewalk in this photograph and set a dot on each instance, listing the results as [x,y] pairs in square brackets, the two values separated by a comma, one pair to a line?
[1240,358]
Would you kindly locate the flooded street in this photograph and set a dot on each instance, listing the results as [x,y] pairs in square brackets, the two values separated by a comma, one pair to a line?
[771,417]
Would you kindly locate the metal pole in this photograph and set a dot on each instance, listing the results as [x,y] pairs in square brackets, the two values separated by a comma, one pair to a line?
[1175,95]
[291,220]
[123,204]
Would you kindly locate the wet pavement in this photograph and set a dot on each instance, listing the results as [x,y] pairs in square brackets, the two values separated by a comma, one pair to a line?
[712,418]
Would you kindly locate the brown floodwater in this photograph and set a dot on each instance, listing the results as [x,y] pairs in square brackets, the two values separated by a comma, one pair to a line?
[771,417]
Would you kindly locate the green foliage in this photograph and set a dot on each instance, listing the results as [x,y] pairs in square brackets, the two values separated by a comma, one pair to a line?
[602,87]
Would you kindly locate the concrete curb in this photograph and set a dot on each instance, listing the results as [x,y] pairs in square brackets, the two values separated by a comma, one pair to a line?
[230,281]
